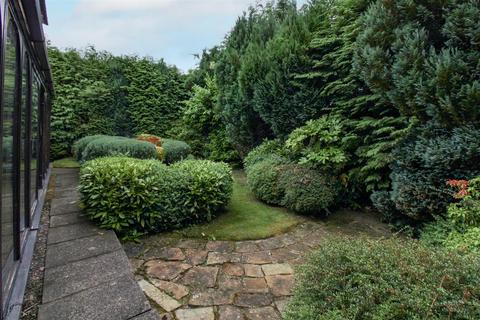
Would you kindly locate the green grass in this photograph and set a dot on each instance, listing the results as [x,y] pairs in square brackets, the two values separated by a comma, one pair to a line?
[246,218]
[66,163]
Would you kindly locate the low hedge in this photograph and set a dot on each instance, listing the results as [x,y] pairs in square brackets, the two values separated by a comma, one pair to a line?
[134,196]
[385,279]
[175,150]
[119,146]
[80,145]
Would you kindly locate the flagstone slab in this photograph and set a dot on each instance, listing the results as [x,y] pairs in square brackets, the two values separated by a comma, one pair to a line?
[165,270]
[277,268]
[159,297]
[280,285]
[230,313]
[265,313]
[253,300]
[195,314]
[175,290]
[118,299]
[78,249]
[203,277]
[253,270]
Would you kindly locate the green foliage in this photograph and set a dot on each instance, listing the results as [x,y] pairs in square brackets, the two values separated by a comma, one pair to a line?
[468,241]
[80,145]
[209,187]
[98,93]
[424,161]
[263,178]
[202,126]
[318,143]
[175,150]
[128,195]
[118,146]
[466,213]
[423,57]
[370,126]
[258,92]
[385,279]
[155,93]
[133,196]
[263,151]
[308,191]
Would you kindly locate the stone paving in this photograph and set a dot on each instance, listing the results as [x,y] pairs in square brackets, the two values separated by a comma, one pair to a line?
[222,280]
[87,275]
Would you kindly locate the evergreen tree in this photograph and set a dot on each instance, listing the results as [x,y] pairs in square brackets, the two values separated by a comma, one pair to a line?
[423,56]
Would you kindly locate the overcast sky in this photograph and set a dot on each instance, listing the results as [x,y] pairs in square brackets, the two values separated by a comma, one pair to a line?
[169,29]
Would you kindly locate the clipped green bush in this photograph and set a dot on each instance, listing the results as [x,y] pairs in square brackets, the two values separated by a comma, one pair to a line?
[263,151]
[308,191]
[126,194]
[263,178]
[80,145]
[119,146]
[175,150]
[210,186]
[385,279]
[134,196]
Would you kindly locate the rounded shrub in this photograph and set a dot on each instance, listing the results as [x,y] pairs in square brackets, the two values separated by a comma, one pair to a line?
[134,196]
[263,151]
[385,279]
[127,194]
[119,146]
[308,191]
[80,145]
[175,150]
[210,186]
[263,178]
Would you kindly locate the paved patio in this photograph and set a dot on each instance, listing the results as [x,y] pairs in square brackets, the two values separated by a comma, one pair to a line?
[87,274]
[228,280]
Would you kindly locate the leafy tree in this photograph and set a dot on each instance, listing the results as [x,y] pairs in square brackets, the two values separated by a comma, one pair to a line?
[202,126]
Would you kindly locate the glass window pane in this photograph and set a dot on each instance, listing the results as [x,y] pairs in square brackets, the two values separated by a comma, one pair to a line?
[34,141]
[10,70]
[24,144]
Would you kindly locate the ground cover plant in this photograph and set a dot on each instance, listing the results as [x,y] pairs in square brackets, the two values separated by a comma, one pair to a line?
[386,279]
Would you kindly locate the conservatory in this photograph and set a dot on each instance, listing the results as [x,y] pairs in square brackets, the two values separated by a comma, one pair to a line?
[26,88]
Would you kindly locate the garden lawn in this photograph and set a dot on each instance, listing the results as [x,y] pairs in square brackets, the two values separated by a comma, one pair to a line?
[66,163]
[246,218]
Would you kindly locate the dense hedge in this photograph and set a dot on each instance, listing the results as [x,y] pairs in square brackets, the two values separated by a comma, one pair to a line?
[385,279]
[80,145]
[133,196]
[119,146]
[175,150]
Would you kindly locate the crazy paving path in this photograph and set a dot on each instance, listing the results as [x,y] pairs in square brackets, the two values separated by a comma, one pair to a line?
[223,280]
